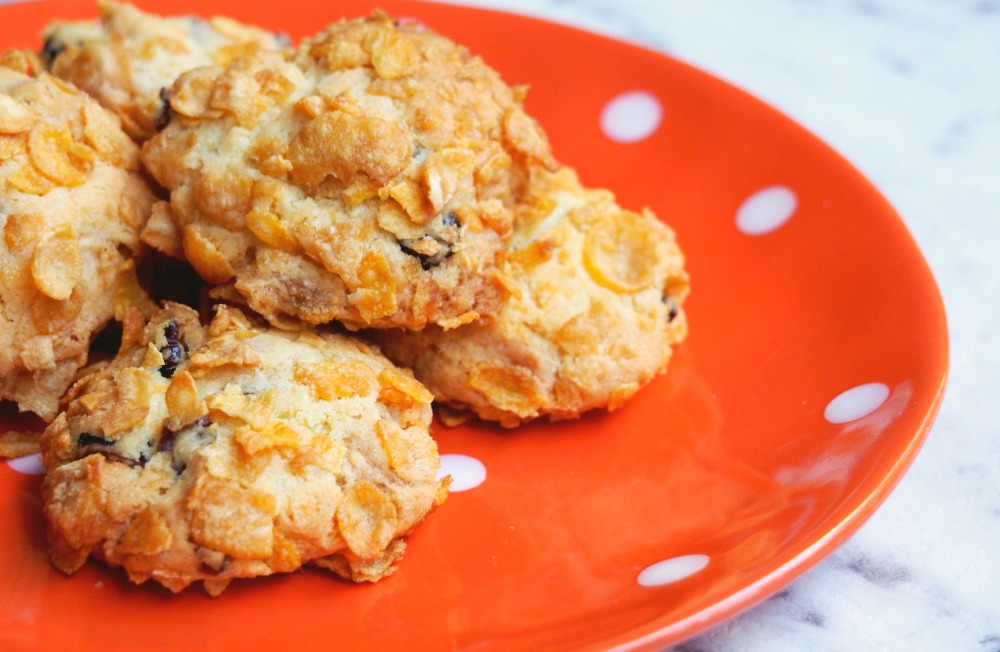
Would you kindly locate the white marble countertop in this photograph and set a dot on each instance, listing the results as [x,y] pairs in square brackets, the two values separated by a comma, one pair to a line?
[909,92]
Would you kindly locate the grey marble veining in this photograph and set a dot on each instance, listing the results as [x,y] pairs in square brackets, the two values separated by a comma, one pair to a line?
[909,92]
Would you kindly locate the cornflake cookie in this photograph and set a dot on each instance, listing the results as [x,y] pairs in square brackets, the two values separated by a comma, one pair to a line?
[368,178]
[127,58]
[596,307]
[72,203]
[211,453]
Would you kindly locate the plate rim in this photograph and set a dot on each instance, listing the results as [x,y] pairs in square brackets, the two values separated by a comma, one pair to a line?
[655,634]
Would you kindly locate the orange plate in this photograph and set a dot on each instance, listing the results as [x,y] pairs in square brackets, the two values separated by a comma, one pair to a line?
[739,457]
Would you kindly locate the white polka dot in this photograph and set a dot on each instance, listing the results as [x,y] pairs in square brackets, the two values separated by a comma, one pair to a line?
[672,570]
[466,472]
[631,117]
[766,210]
[29,465]
[856,402]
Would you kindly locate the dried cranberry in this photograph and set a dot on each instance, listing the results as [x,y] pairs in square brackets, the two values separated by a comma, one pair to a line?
[428,262]
[86,440]
[672,310]
[163,112]
[445,233]
[89,444]
[51,49]
[166,442]
[173,352]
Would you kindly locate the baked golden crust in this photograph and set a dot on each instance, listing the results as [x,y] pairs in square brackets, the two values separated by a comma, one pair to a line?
[212,453]
[129,56]
[72,203]
[368,178]
[596,306]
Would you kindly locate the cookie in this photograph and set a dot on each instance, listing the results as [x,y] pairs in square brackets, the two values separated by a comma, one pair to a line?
[235,451]
[72,204]
[596,306]
[366,178]
[127,58]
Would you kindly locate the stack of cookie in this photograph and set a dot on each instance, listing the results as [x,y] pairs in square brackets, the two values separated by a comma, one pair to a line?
[377,189]
[73,202]
[383,178]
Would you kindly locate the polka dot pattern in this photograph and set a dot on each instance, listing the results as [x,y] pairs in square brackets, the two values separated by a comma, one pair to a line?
[631,117]
[29,465]
[856,403]
[766,210]
[672,570]
[466,472]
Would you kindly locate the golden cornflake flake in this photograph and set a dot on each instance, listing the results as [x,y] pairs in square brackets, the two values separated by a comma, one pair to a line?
[15,118]
[54,154]
[619,253]
[338,378]
[22,229]
[147,534]
[57,264]
[202,253]
[183,403]
[232,519]
[276,434]
[366,518]
[255,410]
[131,405]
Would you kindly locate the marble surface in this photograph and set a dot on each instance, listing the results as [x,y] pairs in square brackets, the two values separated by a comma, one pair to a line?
[909,92]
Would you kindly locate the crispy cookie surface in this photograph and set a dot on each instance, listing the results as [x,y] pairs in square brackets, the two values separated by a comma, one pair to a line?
[232,450]
[596,308]
[72,204]
[129,56]
[368,178]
